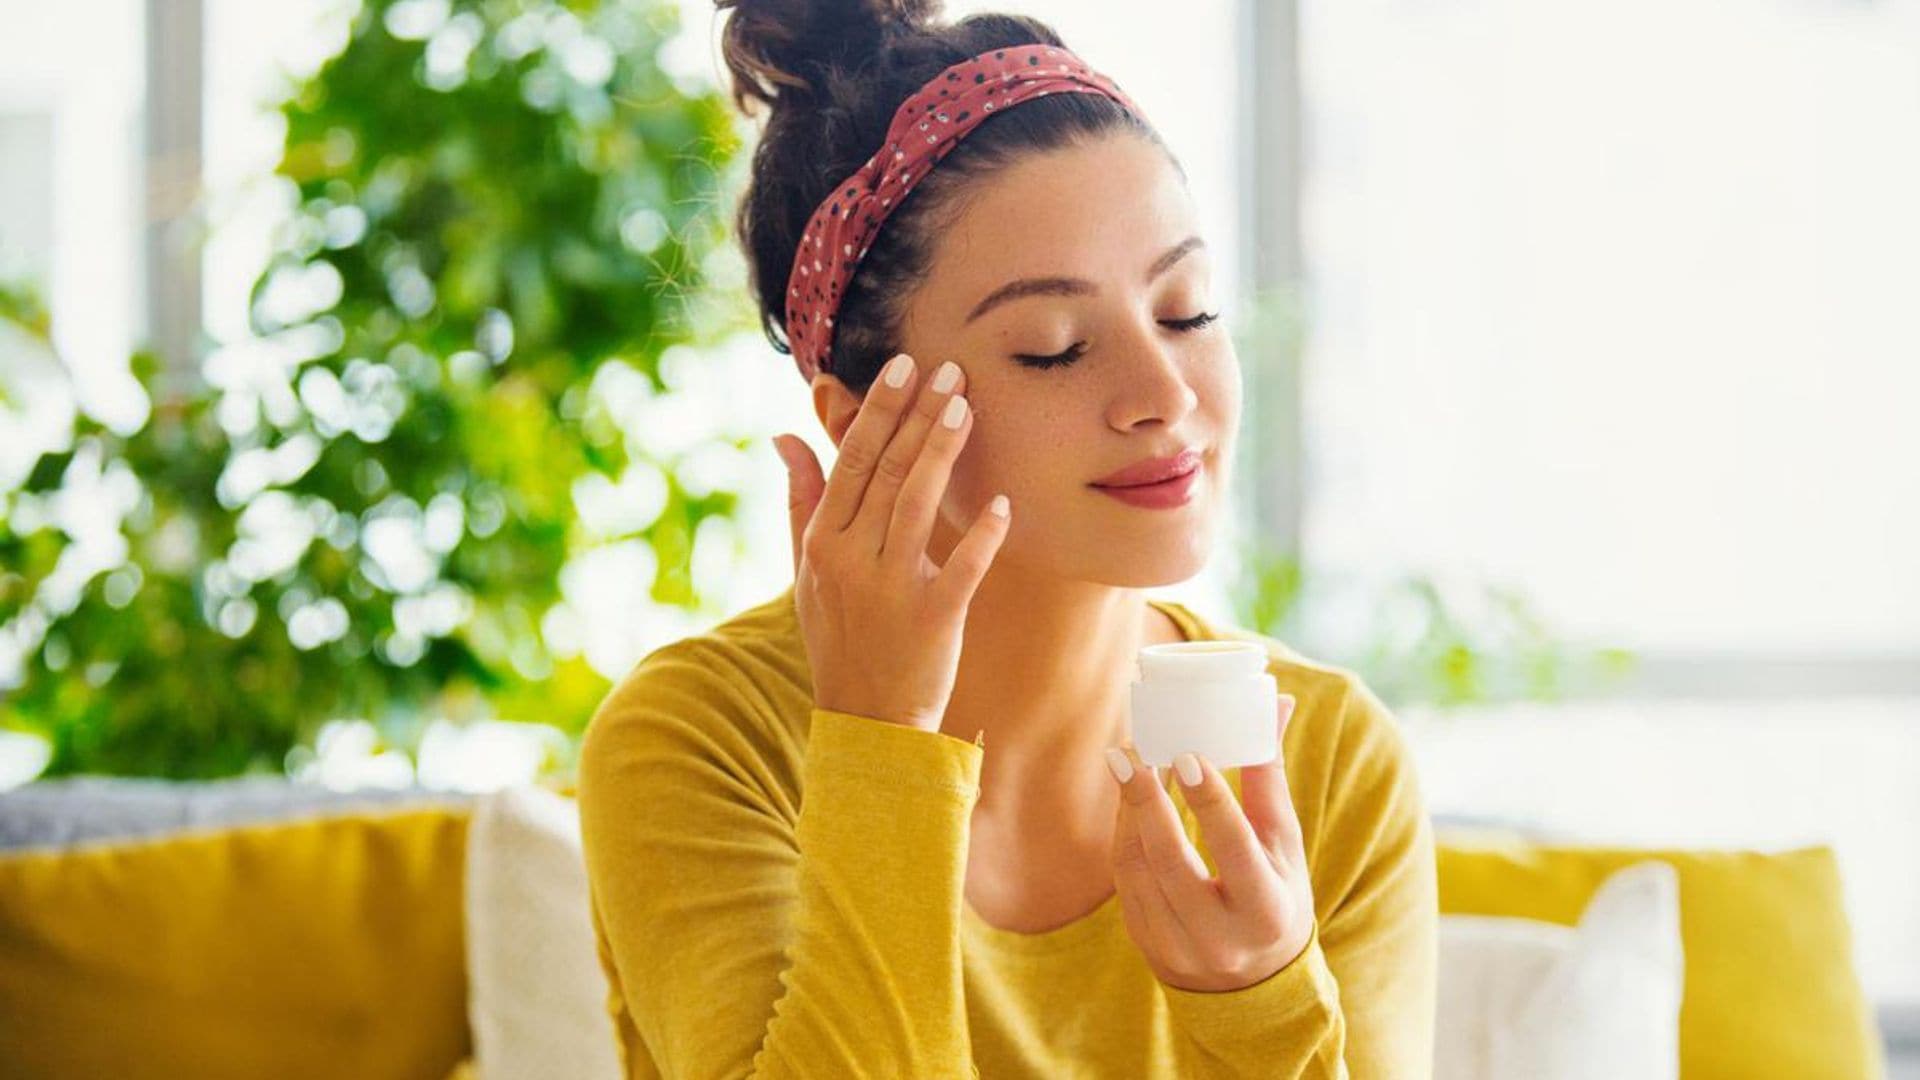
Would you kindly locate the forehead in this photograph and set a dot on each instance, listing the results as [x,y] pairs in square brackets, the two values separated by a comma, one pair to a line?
[1101,210]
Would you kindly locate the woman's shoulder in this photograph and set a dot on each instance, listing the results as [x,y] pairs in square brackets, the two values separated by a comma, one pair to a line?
[742,682]
[761,643]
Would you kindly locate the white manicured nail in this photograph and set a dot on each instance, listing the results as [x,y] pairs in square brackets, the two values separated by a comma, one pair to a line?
[1117,761]
[897,371]
[948,374]
[1188,767]
[956,411]
[998,506]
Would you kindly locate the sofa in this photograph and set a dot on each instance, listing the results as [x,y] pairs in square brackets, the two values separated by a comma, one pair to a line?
[260,927]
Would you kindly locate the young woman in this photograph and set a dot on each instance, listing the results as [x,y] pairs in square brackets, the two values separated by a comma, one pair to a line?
[888,823]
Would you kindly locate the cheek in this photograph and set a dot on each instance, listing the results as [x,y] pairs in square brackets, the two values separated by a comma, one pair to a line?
[1006,452]
[1221,392]
[1230,394]
[1218,389]
[974,468]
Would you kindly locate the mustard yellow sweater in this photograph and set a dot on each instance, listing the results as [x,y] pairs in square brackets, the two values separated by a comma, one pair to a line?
[777,891]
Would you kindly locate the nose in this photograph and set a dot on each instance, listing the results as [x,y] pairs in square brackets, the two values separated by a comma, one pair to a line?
[1151,383]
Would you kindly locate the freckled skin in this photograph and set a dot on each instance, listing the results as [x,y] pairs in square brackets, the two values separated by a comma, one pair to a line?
[1053,629]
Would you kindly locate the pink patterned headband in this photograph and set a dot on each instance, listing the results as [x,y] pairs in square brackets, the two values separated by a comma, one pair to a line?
[926,127]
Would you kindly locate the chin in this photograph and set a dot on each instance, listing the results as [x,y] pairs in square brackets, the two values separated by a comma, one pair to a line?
[1147,560]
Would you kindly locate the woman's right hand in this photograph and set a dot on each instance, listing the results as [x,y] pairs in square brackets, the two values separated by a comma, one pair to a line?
[881,621]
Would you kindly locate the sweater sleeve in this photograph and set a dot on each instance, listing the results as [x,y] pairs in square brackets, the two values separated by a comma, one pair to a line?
[1359,1000]
[748,936]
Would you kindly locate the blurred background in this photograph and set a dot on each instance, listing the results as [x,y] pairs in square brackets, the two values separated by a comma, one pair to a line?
[378,382]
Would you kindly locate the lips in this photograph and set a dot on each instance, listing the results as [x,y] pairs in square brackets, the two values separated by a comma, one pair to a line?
[1165,495]
[1152,470]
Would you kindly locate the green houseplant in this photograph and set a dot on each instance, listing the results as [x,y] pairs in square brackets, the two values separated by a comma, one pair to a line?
[504,228]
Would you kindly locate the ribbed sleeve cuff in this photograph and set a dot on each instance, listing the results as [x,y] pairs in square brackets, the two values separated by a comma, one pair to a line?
[880,752]
[1299,1005]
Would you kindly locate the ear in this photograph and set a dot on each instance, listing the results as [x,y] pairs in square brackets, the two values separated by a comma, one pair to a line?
[835,404]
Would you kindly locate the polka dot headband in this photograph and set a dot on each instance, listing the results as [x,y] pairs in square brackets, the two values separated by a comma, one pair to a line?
[926,127]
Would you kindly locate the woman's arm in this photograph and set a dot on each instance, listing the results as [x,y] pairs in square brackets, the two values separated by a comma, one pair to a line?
[754,937]
[1360,1000]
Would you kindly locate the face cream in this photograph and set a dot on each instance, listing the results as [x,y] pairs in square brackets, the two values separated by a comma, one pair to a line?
[1214,698]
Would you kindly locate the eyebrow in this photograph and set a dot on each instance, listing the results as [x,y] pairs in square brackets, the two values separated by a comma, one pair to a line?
[1065,286]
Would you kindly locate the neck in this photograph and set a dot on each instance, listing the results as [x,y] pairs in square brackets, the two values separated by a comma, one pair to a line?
[1043,680]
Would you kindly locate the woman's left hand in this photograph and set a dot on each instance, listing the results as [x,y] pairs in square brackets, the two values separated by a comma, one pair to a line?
[1196,931]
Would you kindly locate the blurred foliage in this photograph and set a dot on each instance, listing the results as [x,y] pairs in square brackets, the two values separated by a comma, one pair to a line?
[1416,639]
[1421,640]
[506,215]
[20,304]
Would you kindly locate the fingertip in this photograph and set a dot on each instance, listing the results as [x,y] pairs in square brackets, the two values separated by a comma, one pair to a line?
[1187,768]
[898,370]
[1139,765]
[794,451]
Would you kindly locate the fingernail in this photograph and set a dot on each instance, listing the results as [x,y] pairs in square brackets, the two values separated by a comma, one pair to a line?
[780,447]
[948,374]
[956,411]
[897,370]
[1117,762]
[1188,767]
[998,505]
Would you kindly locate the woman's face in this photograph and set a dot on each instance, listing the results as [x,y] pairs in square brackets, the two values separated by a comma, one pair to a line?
[1127,380]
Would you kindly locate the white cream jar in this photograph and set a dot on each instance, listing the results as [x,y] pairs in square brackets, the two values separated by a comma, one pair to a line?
[1214,698]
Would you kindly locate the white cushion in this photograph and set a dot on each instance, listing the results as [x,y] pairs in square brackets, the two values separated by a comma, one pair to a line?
[1597,1001]
[537,999]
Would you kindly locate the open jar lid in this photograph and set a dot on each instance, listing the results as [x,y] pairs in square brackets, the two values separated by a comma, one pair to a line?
[1202,660]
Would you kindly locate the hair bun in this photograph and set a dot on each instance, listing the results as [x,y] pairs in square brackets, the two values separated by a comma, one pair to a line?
[779,48]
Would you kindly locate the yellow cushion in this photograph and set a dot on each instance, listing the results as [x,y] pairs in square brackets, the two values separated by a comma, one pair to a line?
[1770,985]
[324,947]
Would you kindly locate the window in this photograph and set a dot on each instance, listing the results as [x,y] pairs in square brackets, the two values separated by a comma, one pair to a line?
[71,99]
[1615,303]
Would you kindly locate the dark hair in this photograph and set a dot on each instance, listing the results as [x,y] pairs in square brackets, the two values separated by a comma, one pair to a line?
[831,73]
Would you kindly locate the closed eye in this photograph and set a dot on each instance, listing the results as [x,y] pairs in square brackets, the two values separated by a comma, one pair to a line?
[1079,347]
[1194,323]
